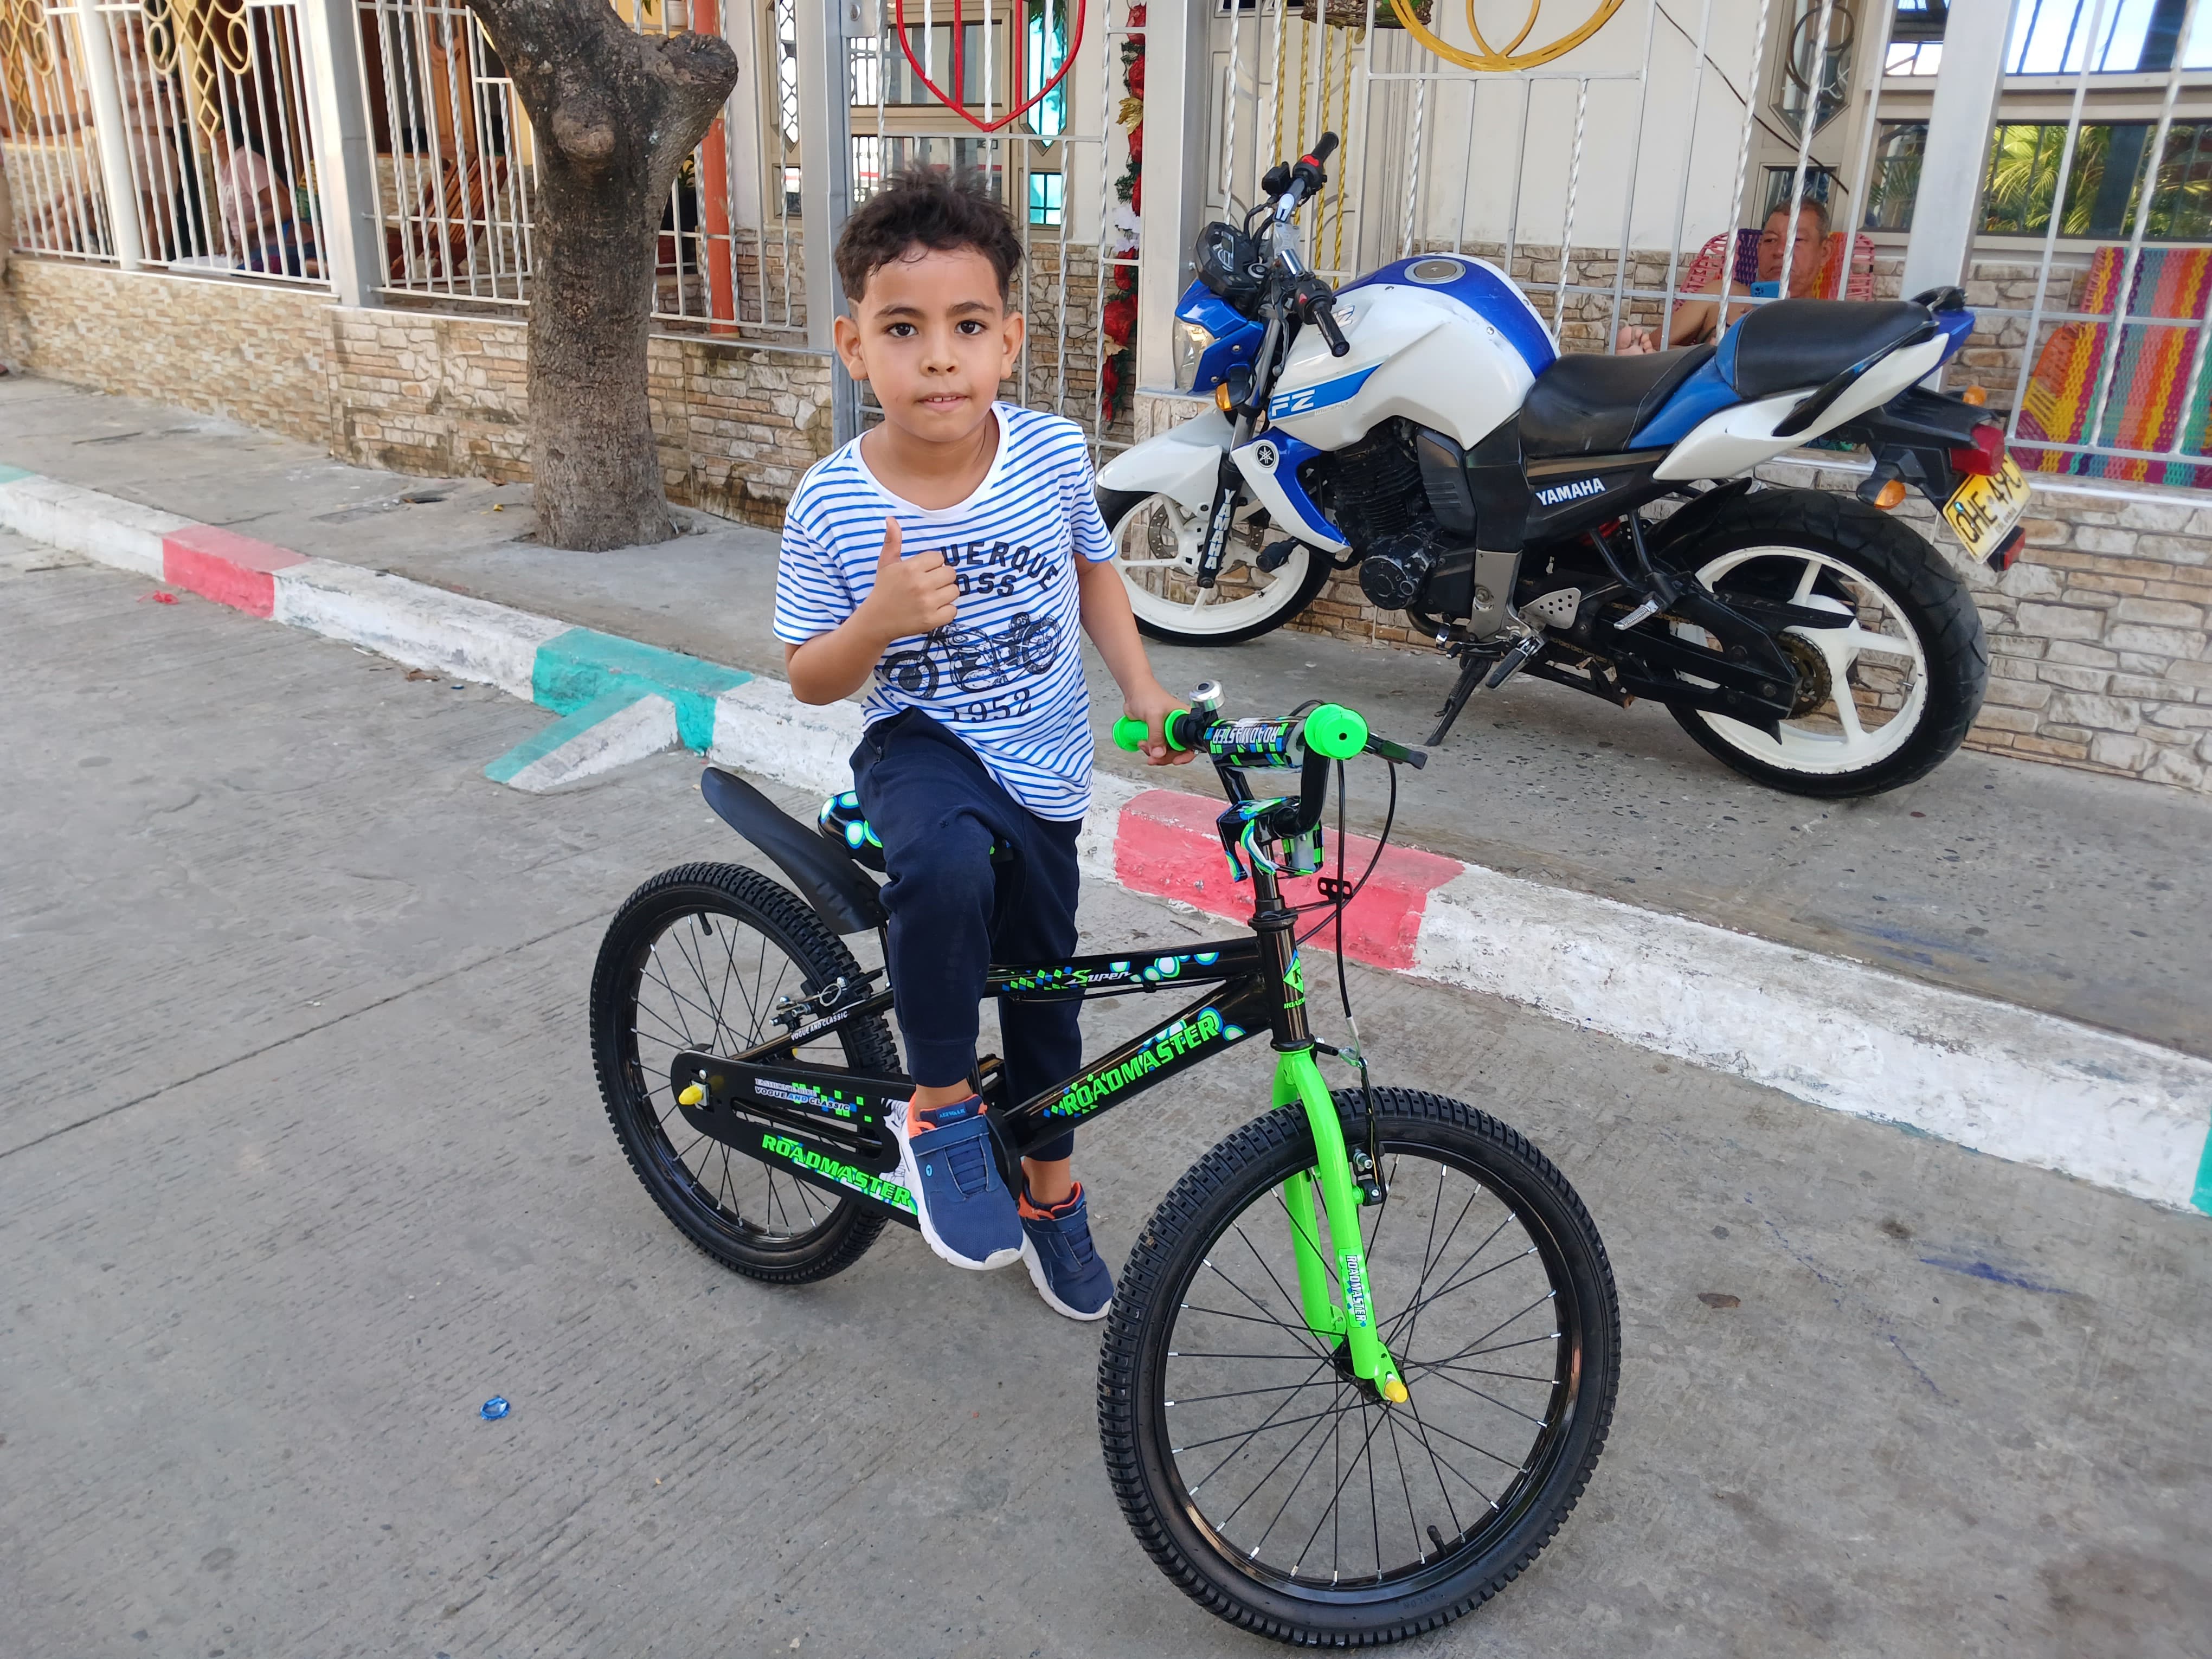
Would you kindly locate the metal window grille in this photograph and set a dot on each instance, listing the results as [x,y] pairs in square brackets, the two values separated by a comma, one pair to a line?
[47,140]
[455,168]
[221,158]
[1044,163]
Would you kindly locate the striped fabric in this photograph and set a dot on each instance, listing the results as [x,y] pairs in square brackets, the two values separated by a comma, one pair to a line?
[1005,675]
[2150,374]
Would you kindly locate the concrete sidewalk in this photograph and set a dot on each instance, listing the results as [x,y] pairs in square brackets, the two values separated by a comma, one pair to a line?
[301,1158]
[2047,888]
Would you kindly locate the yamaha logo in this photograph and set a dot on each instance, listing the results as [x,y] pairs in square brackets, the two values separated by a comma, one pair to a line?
[1578,491]
[1264,452]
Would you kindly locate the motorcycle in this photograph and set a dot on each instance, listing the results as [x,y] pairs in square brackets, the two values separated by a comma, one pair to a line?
[1586,519]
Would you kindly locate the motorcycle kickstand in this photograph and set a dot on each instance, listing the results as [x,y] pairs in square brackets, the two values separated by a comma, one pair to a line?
[1489,672]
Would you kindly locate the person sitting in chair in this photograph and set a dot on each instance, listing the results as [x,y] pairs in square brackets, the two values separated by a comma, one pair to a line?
[255,201]
[1698,320]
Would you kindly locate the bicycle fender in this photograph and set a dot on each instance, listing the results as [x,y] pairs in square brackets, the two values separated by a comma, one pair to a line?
[823,874]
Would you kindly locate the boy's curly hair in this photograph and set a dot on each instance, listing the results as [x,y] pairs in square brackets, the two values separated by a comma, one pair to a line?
[934,210]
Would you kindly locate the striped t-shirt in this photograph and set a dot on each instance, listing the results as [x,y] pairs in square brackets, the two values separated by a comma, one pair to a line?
[1005,675]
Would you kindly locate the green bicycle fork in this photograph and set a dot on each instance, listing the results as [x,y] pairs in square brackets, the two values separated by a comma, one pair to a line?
[1334,1319]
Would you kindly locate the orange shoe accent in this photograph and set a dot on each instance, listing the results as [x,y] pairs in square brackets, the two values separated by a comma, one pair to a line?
[1030,1212]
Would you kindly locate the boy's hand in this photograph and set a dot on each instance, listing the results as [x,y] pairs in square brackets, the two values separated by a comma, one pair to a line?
[912,596]
[1152,703]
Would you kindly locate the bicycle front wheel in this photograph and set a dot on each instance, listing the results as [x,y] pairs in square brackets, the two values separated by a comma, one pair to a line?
[1279,1490]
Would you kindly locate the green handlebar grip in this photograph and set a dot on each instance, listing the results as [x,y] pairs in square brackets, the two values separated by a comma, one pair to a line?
[1336,732]
[1129,731]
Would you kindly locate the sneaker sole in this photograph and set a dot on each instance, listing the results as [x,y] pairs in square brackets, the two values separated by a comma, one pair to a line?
[911,1178]
[1036,1265]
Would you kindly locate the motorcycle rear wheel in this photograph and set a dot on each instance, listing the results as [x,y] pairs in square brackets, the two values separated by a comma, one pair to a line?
[1883,701]
[1155,547]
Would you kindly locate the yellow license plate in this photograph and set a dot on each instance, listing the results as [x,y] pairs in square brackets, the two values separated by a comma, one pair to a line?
[1982,511]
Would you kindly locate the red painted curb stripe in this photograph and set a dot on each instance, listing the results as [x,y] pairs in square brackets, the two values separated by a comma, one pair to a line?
[1166,845]
[229,568]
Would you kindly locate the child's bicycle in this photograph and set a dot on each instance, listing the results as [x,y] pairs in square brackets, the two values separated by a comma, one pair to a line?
[1361,1360]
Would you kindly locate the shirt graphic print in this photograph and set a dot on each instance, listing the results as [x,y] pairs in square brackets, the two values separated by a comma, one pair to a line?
[1005,675]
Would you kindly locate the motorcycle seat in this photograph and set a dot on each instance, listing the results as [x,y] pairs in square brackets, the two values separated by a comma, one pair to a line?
[1588,404]
[1794,344]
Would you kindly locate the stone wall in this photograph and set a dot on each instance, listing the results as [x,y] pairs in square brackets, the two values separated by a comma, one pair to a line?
[255,352]
[2100,635]
[409,390]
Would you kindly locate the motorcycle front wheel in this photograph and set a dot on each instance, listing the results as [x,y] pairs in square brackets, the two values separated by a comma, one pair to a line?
[1881,701]
[1156,543]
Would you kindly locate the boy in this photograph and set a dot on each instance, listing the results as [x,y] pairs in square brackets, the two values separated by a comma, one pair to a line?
[949,554]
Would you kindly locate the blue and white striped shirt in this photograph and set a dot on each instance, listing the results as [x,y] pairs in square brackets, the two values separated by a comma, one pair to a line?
[1005,675]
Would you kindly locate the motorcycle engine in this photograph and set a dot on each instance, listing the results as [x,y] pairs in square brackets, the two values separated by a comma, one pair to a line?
[1382,508]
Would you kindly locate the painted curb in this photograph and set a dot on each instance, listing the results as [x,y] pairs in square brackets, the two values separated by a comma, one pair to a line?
[613,729]
[2002,1079]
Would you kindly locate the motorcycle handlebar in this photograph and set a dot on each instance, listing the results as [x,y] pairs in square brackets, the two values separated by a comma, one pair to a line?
[1325,320]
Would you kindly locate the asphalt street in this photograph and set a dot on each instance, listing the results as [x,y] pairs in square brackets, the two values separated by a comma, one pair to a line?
[301,1158]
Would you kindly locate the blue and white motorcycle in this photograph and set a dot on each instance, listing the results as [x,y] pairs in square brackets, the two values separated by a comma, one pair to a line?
[1419,425]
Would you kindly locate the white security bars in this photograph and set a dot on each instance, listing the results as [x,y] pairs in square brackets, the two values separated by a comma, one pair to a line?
[1043,99]
[46,133]
[212,101]
[454,167]
[1615,159]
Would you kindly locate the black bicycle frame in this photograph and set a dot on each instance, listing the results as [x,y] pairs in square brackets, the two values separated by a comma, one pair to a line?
[826,1125]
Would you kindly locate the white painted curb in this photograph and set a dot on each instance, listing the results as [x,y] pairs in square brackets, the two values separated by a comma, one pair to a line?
[2002,1079]
[635,732]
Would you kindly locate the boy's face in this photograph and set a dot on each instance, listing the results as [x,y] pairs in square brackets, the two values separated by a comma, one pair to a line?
[933,339]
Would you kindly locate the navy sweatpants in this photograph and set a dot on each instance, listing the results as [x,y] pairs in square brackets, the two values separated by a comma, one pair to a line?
[953,911]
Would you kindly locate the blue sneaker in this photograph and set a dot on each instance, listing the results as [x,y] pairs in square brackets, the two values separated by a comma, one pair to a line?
[1063,1263]
[967,1214]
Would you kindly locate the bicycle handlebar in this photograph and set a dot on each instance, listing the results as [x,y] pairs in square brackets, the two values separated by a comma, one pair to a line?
[1332,731]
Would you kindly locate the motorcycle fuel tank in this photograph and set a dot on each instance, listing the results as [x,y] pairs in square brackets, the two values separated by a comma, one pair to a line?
[1446,342]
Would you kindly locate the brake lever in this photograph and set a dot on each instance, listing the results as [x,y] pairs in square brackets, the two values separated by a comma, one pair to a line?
[1383,749]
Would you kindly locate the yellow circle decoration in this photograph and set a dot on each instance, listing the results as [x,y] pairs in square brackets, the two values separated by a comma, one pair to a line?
[1485,57]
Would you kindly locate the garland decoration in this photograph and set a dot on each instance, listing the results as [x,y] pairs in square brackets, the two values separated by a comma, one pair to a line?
[1118,318]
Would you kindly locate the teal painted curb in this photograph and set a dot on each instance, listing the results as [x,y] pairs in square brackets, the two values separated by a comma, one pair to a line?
[572,724]
[574,670]
[2201,1198]
[11,474]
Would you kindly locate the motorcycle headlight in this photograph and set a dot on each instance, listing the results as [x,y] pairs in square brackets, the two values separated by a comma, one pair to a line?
[1192,342]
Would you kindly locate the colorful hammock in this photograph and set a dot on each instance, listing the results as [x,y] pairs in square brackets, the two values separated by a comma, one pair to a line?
[2149,375]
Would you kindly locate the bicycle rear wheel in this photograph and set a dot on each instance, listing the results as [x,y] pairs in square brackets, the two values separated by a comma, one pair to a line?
[1278,1490]
[704,959]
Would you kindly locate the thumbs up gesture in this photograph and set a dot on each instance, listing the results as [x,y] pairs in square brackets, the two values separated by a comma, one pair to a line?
[911,596]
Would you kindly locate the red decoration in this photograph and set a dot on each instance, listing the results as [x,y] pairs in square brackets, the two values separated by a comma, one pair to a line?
[959,36]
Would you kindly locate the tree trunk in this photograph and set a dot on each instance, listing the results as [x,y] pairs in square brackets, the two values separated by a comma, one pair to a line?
[615,113]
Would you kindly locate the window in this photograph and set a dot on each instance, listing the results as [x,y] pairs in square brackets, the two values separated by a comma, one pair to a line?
[1045,200]
[900,122]
[2051,37]
[1895,177]
[2105,185]
[1799,72]
[1916,37]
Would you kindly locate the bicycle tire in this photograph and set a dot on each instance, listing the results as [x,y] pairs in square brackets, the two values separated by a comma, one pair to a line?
[714,1222]
[1155,1295]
